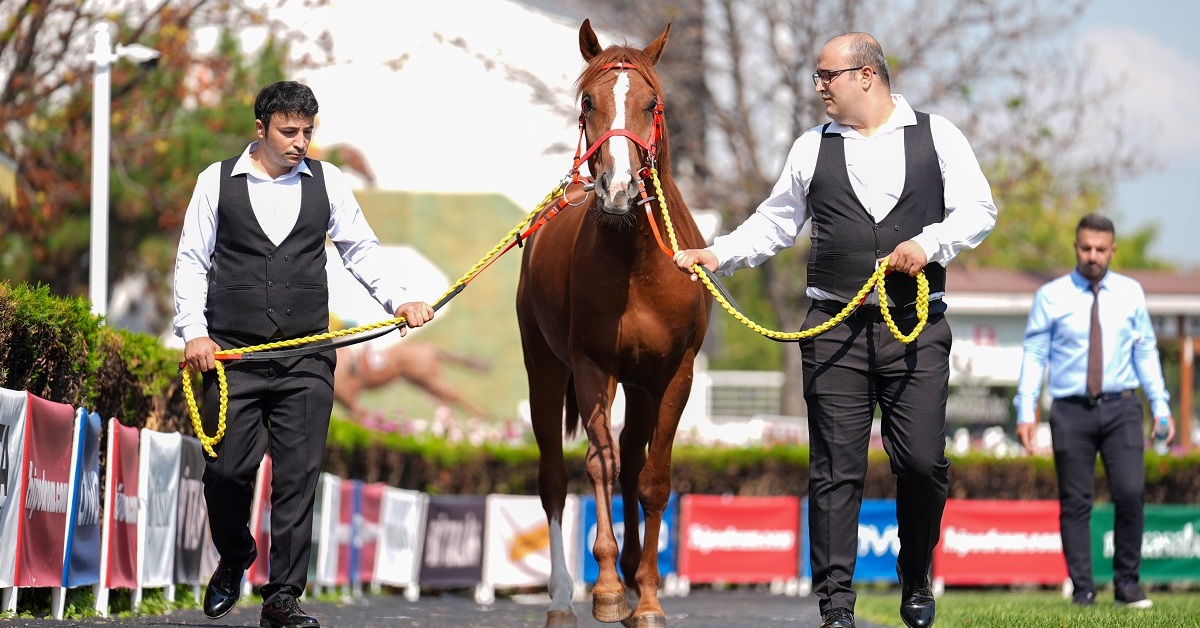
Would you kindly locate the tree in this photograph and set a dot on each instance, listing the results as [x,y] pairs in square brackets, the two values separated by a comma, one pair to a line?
[188,110]
[992,68]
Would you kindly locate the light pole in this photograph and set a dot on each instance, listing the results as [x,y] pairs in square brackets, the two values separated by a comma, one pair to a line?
[102,57]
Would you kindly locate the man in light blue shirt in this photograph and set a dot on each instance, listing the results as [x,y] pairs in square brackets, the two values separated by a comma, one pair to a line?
[1092,329]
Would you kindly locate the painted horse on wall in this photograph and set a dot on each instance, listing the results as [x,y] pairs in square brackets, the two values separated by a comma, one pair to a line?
[601,304]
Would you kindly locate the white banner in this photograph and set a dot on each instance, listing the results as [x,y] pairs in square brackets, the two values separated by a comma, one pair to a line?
[517,541]
[401,533]
[325,524]
[158,484]
[14,408]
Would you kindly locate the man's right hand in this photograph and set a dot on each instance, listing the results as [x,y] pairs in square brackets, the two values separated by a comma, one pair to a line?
[198,354]
[1027,433]
[687,258]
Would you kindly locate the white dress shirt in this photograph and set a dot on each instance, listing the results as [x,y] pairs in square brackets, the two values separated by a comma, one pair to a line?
[876,167]
[276,205]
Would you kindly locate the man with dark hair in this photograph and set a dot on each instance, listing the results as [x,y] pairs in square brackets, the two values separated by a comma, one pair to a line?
[251,270]
[881,182]
[1092,329]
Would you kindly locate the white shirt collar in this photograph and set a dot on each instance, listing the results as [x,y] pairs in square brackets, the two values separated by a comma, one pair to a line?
[243,166]
[902,116]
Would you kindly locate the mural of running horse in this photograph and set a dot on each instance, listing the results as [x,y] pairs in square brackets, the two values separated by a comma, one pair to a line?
[600,303]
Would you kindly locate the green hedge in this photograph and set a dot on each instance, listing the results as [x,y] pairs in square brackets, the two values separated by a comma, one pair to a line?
[55,348]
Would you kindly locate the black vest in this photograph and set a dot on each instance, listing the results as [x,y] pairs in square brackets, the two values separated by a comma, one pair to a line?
[256,288]
[846,240]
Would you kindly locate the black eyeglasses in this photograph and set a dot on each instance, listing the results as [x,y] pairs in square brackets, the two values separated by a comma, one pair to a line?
[826,77]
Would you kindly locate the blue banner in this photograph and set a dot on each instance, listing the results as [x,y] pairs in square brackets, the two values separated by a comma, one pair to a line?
[668,545]
[82,566]
[878,542]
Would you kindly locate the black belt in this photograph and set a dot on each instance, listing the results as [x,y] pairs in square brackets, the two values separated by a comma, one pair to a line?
[874,314]
[1104,398]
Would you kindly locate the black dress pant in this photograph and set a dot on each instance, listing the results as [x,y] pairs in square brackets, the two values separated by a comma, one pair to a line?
[848,371]
[1113,429]
[284,405]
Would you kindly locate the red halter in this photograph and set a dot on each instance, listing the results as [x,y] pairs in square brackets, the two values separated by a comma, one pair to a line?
[651,147]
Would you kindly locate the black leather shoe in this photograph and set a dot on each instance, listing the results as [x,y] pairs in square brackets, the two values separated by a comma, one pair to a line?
[223,590]
[916,604]
[838,618]
[286,613]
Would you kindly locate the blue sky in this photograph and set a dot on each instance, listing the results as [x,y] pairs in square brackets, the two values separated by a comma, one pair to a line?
[1156,46]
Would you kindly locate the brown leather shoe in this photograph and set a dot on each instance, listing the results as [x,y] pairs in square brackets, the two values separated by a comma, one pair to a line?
[286,613]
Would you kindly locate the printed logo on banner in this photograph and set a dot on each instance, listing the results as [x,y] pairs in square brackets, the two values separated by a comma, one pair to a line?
[453,548]
[192,514]
[963,542]
[666,545]
[125,508]
[1000,542]
[82,565]
[42,495]
[47,498]
[1170,543]
[872,542]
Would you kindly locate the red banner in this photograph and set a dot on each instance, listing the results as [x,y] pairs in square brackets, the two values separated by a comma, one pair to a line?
[260,524]
[1000,542]
[121,507]
[345,532]
[739,539]
[367,536]
[45,498]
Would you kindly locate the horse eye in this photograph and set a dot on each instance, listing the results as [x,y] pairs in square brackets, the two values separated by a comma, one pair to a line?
[653,105]
[586,104]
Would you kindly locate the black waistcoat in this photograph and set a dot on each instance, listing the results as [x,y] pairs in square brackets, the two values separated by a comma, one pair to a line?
[256,288]
[846,240]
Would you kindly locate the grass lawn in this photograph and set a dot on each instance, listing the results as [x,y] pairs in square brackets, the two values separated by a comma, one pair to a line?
[1035,609]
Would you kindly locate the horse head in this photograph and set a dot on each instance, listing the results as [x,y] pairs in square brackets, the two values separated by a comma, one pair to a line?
[621,114]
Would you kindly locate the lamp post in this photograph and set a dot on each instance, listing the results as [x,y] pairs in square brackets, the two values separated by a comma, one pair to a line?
[103,55]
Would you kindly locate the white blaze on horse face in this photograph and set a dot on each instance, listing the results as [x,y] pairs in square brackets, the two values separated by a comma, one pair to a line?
[622,174]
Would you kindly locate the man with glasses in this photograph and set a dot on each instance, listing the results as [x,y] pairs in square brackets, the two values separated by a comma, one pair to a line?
[880,182]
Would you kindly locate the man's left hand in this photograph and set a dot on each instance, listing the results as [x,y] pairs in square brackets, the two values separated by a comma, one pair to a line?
[908,258]
[415,313]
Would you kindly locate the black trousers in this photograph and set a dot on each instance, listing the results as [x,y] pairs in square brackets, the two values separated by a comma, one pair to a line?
[284,405]
[1114,430]
[848,371]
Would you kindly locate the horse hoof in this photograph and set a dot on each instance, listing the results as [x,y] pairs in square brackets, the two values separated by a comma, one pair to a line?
[649,620]
[610,607]
[561,619]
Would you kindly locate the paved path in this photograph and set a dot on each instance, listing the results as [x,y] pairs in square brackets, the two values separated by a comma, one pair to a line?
[701,608]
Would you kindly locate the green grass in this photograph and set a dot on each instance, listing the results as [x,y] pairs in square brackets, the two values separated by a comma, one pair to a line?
[1035,609]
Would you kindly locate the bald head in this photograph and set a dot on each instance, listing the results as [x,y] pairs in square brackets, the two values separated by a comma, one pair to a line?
[861,49]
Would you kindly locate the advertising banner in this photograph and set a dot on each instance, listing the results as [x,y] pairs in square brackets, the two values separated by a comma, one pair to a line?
[260,525]
[667,544]
[191,514]
[739,539]
[517,541]
[366,529]
[1170,544]
[453,549]
[878,542]
[402,528]
[119,558]
[323,561]
[14,413]
[158,484]
[45,500]
[347,565]
[83,523]
[1006,542]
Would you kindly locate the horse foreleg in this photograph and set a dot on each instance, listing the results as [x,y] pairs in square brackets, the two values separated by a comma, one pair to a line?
[608,594]
[634,436]
[546,402]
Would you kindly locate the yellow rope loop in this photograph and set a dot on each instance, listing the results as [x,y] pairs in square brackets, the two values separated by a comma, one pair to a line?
[875,280]
[209,441]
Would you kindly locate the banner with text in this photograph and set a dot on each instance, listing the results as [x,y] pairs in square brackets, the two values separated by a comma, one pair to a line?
[739,539]
[119,558]
[323,560]
[191,514]
[14,414]
[1000,542]
[366,529]
[158,484]
[402,528]
[1170,544]
[83,522]
[347,515]
[878,541]
[452,555]
[43,536]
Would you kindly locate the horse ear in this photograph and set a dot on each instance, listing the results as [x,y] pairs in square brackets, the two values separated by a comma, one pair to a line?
[589,45]
[655,49]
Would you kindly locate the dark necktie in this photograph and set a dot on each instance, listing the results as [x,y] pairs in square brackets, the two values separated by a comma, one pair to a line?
[1095,364]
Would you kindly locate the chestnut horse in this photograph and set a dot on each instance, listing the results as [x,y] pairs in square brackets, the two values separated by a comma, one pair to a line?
[599,304]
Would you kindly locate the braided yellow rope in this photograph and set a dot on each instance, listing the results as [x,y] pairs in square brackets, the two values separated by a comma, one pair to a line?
[209,441]
[875,280]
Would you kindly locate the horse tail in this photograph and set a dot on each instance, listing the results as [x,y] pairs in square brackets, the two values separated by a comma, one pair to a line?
[462,359]
[572,417]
